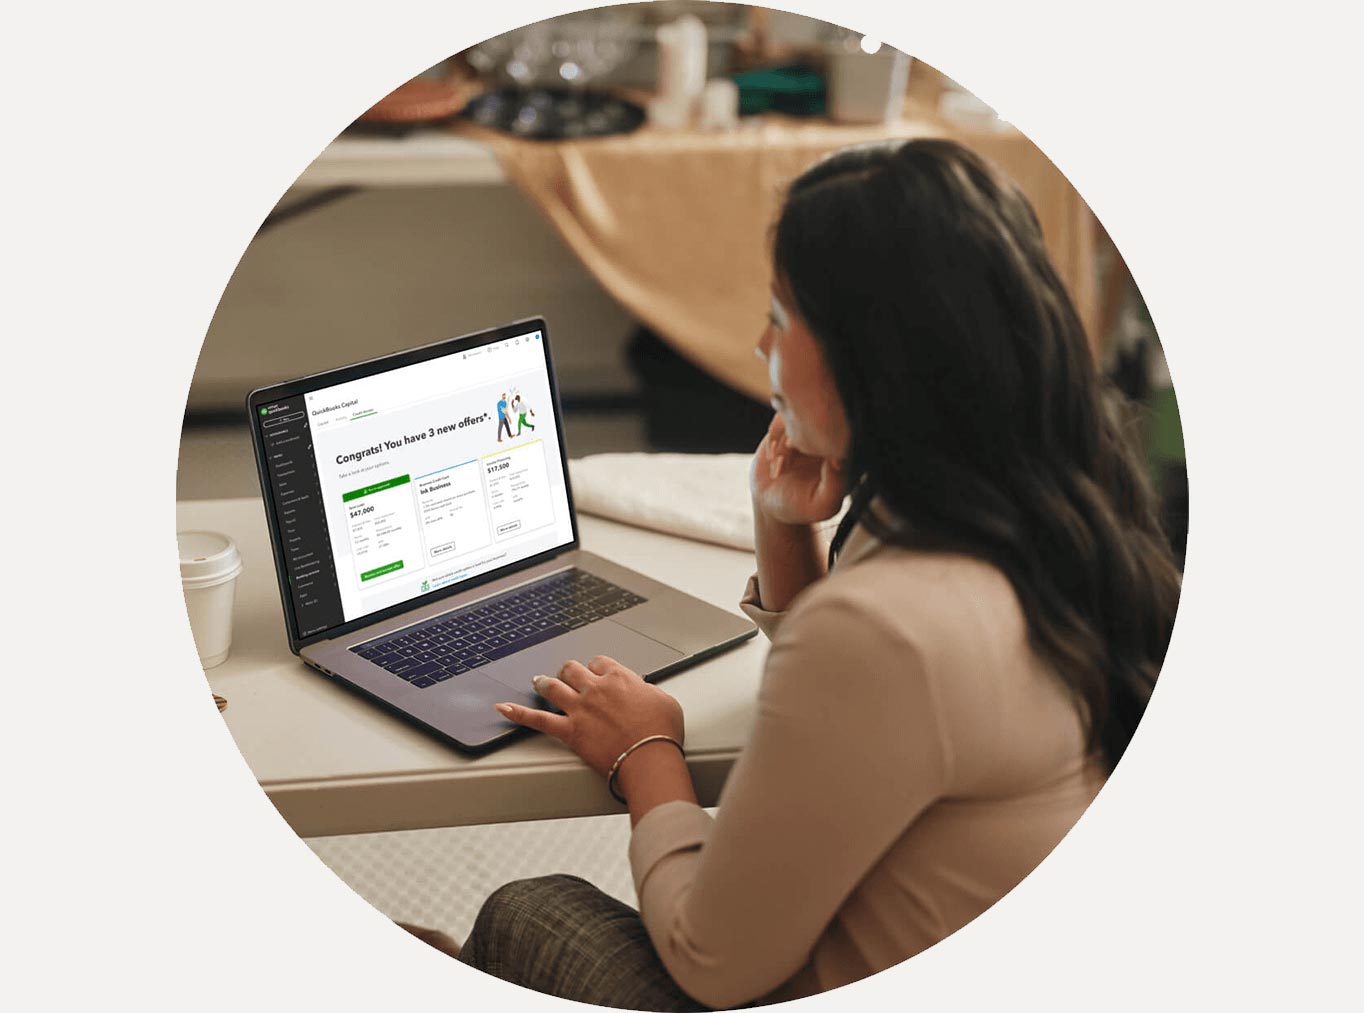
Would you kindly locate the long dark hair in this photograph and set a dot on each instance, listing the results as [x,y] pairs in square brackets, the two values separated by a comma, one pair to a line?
[977,414]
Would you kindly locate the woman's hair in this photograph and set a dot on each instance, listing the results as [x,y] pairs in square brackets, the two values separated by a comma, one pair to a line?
[977,415]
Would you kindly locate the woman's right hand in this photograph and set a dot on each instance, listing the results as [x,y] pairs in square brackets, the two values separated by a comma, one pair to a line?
[790,487]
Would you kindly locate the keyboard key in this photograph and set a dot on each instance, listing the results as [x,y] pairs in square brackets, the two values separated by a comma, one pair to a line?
[423,682]
[539,637]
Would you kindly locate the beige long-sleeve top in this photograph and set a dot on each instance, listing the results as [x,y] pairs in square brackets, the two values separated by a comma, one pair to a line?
[911,761]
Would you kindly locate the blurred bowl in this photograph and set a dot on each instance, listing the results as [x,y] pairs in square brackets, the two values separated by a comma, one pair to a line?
[553,114]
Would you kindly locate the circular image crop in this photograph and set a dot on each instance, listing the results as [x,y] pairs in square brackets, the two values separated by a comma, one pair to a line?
[682,506]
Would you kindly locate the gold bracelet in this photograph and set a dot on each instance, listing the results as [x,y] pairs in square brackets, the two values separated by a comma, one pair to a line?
[615,767]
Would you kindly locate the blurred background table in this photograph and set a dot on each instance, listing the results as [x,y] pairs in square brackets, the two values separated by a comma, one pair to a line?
[674,224]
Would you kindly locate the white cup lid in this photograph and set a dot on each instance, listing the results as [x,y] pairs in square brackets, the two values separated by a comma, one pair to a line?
[207,557]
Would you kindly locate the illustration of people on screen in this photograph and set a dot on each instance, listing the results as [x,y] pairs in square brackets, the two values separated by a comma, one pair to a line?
[503,417]
[520,409]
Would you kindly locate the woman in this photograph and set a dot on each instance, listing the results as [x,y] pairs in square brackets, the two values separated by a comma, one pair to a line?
[948,685]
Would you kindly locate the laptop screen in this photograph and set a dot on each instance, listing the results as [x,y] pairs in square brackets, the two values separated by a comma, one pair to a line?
[404,483]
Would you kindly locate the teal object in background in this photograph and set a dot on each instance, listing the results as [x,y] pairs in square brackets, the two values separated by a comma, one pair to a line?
[794,91]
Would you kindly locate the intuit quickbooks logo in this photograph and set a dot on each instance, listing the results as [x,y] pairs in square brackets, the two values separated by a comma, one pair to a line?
[265,411]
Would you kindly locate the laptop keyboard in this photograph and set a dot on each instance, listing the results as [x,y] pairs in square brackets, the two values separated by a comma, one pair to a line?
[458,642]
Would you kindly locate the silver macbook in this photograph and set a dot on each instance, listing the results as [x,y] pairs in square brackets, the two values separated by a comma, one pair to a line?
[426,544]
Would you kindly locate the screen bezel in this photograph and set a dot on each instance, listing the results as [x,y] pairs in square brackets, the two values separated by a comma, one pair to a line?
[372,367]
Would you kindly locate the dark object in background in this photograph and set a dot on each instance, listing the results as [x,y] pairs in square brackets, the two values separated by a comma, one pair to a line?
[1131,371]
[794,91]
[687,411]
[546,114]
[1174,506]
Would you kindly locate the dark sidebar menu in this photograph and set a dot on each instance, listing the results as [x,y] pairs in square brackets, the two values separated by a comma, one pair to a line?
[301,516]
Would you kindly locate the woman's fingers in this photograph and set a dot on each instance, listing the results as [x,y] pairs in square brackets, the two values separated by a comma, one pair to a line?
[601,664]
[542,721]
[770,447]
[780,453]
[556,691]
[831,479]
[577,675]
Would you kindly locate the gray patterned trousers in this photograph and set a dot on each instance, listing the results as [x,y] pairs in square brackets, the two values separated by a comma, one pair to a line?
[562,936]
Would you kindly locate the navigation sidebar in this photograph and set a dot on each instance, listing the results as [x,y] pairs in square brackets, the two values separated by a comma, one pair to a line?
[299,512]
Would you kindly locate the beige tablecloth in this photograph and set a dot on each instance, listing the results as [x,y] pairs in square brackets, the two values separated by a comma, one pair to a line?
[675,225]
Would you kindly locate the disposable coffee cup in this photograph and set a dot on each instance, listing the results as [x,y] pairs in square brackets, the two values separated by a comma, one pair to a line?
[209,565]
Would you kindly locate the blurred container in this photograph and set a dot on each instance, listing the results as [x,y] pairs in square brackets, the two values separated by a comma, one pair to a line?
[720,105]
[867,87]
[682,55]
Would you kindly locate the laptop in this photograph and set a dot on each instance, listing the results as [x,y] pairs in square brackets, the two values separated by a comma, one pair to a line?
[426,545]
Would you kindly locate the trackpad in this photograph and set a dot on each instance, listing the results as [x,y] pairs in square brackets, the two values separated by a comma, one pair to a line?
[466,710]
[633,650]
